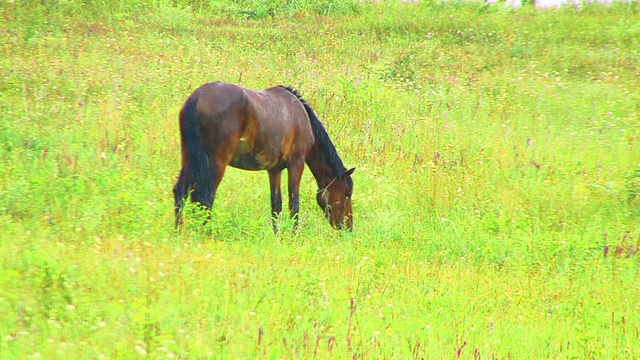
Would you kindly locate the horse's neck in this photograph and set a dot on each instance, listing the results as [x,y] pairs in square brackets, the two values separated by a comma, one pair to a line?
[320,167]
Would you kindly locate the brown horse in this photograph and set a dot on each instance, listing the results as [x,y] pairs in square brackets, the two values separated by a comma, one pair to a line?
[275,129]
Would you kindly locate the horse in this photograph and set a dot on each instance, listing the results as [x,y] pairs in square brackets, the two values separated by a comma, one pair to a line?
[223,124]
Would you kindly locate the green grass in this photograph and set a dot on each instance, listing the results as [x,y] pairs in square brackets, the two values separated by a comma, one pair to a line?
[497,189]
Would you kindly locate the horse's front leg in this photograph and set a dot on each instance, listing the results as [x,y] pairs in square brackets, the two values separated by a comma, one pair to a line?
[294,171]
[276,197]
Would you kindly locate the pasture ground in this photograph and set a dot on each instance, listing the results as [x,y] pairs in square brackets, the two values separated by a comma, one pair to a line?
[497,189]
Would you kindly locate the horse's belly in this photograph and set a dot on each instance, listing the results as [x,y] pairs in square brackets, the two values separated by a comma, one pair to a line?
[247,158]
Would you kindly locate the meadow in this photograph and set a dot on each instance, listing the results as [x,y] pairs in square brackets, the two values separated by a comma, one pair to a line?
[496,200]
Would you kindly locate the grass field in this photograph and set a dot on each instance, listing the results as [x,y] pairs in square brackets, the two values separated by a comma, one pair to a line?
[496,201]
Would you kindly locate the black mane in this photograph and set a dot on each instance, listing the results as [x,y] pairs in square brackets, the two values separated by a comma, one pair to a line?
[322,137]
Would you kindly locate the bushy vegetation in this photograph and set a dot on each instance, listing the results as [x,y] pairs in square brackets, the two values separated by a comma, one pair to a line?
[496,191]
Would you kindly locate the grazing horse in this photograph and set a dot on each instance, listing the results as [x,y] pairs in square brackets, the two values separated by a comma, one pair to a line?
[224,124]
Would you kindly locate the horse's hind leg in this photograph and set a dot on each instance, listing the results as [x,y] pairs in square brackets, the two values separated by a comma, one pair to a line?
[180,192]
[204,195]
[221,115]
[220,156]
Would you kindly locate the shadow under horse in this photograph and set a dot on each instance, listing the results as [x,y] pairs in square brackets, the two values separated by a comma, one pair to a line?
[223,124]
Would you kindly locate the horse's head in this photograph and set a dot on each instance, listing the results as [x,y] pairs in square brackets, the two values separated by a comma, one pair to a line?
[335,201]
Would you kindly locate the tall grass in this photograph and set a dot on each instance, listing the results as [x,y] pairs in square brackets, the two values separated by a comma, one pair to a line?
[496,191]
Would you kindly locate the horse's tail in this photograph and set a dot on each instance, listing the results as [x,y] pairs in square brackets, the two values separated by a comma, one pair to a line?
[198,168]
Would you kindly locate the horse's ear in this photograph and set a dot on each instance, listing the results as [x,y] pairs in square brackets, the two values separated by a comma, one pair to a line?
[350,171]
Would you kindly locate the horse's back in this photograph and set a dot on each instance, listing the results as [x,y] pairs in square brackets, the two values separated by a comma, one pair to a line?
[281,114]
[277,107]
[272,107]
[266,128]
[217,98]
[278,130]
